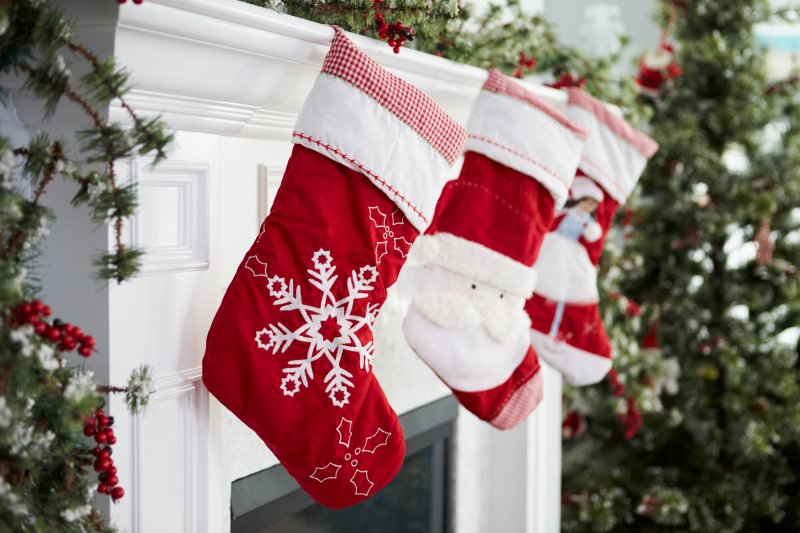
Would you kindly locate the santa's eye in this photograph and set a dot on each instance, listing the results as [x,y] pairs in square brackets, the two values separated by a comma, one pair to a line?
[474,286]
[501,296]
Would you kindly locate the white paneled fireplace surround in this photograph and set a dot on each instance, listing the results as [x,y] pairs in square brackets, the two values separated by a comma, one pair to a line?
[230,78]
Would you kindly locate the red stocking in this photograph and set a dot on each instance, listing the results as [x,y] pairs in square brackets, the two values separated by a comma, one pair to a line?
[467,319]
[566,328]
[290,350]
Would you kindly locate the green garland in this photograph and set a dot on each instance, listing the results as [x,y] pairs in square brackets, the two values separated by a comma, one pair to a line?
[500,37]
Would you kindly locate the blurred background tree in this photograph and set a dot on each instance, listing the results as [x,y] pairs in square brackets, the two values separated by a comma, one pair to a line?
[712,261]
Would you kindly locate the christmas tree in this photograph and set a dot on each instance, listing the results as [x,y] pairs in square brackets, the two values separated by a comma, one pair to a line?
[712,262]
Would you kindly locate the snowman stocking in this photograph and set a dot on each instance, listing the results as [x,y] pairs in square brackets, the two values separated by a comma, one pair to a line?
[467,320]
[290,350]
[566,329]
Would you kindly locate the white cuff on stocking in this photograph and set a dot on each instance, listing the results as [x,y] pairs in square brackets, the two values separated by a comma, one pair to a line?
[615,153]
[510,125]
[367,119]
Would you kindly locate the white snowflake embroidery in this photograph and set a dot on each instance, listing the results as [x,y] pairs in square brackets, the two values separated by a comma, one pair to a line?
[400,244]
[331,329]
[360,478]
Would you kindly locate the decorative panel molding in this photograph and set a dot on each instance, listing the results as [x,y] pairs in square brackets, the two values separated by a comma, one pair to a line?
[269,179]
[172,223]
[165,442]
[188,112]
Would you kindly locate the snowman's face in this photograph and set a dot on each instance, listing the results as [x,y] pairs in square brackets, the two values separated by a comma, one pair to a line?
[460,301]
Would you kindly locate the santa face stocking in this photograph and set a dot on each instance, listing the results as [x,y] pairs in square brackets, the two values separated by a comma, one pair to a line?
[290,351]
[467,319]
[566,329]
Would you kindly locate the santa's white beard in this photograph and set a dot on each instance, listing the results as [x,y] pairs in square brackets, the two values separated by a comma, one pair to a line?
[470,337]
[452,310]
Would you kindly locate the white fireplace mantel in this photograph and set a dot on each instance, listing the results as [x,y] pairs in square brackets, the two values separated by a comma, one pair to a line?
[230,78]
[228,67]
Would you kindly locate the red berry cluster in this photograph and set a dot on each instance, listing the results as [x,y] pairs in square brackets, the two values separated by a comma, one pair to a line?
[573,425]
[566,80]
[395,34]
[99,426]
[524,63]
[632,419]
[613,378]
[67,336]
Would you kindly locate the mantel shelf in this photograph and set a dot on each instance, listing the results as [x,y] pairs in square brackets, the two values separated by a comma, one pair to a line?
[224,66]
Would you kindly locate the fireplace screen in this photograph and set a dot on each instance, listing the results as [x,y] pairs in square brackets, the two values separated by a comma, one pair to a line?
[416,501]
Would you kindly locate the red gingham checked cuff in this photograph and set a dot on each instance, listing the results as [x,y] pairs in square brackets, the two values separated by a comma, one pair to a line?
[372,121]
[615,153]
[512,126]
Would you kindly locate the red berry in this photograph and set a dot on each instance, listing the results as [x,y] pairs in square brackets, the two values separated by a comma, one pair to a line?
[25,309]
[46,311]
[109,432]
[77,332]
[99,412]
[87,340]
[392,43]
[112,439]
[37,306]
[104,454]
[98,467]
[40,328]
[101,437]
[117,493]
[102,488]
[68,345]
[113,480]
[32,318]
[53,333]
[88,430]
[103,421]
[382,35]
[112,470]
[138,1]
[85,351]
[396,49]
